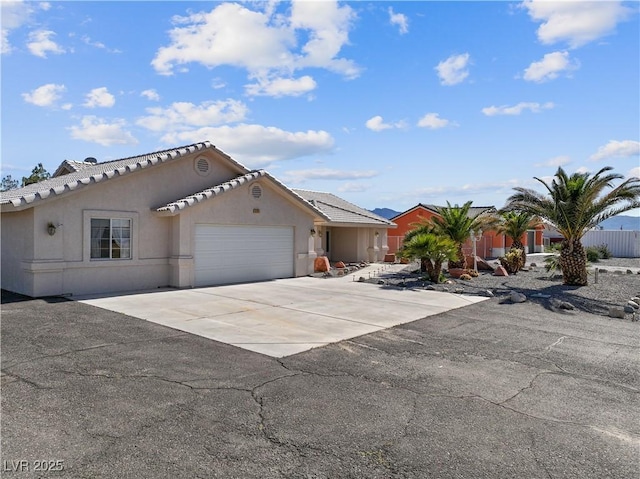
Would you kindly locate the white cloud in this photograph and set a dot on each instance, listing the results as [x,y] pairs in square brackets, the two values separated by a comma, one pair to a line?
[575,22]
[550,67]
[257,145]
[517,109]
[97,130]
[13,14]
[351,187]
[99,97]
[581,170]
[300,176]
[617,149]
[278,87]
[151,95]
[555,162]
[185,115]
[634,172]
[400,20]
[45,95]
[377,123]
[40,43]
[433,121]
[453,70]
[268,45]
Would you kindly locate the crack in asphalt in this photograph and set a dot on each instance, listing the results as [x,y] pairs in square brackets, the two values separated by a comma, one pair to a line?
[90,348]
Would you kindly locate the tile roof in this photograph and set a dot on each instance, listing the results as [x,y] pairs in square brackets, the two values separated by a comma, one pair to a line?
[89,173]
[175,207]
[341,211]
[217,190]
[473,210]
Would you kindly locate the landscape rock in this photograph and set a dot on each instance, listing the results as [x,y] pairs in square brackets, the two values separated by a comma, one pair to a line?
[430,287]
[381,282]
[617,272]
[488,293]
[565,305]
[635,299]
[629,271]
[341,272]
[340,264]
[602,270]
[361,279]
[500,271]
[633,304]
[533,265]
[629,309]
[616,312]
[321,264]
[516,297]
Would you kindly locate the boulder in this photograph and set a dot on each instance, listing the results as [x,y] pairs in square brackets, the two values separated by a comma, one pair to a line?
[516,297]
[488,293]
[616,312]
[321,264]
[633,304]
[629,309]
[361,279]
[340,264]
[565,305]
[500,271]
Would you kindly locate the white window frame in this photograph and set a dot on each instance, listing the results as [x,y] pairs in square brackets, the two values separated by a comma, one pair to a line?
[89,215]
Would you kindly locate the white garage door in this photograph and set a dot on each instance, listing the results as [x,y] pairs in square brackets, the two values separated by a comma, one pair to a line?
[236,254]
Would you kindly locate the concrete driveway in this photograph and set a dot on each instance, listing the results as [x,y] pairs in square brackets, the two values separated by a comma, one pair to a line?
[284,317]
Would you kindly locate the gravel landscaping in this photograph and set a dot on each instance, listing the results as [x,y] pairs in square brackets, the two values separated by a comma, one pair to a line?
[615,287]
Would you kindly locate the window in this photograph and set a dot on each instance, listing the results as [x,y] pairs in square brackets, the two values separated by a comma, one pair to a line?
[110,238]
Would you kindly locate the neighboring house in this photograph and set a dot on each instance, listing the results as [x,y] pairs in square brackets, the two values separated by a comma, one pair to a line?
[351,234]
[184,217]
[490,245]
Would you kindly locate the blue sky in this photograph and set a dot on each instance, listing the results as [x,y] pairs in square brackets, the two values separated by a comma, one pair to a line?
[386,104]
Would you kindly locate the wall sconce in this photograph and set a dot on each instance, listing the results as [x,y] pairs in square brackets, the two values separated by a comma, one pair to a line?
[312,232]
[51,229]
[377,234]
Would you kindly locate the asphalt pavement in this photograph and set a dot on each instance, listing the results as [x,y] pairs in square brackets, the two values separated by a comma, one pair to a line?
[489,390]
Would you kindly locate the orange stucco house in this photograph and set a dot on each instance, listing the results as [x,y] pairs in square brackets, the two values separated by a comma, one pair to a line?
[490,245]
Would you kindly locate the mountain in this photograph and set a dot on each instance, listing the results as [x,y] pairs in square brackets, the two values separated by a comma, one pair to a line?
[621,222]
[386,212]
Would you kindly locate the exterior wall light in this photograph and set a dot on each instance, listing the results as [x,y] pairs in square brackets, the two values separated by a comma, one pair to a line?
[312,232]
[51,229]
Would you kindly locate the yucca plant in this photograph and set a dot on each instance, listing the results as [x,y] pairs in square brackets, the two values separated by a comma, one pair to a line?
[573,205]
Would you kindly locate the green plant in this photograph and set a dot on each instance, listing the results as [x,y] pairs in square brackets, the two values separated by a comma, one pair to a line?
[552,264]
[431,249]
[605,253]
[574,204]
[512,261]
[593,254]
[514,225]
[553,248]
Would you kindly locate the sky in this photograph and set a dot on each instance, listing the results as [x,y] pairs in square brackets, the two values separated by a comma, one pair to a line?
[386,104]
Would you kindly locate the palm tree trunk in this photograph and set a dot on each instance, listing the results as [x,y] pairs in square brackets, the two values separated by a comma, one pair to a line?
[573,260]
[461,261]
[434,274]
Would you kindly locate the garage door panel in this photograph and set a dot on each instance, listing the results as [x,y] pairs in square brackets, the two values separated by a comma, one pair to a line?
[233,254]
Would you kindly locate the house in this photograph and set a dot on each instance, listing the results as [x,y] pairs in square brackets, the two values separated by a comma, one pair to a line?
[183,217]
[351,233]
[489,245]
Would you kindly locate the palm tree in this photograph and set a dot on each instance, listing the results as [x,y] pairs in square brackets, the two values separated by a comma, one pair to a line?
[455,222]
[431,249]
[574,205]
[514,224]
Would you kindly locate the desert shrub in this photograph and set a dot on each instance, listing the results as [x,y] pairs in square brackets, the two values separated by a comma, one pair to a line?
[553,248]
[593,254]
[552,264]
[465,277]
[512,261]
[605,253]
[471,272]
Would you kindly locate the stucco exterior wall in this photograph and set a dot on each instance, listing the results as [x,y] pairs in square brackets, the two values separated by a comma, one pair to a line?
[16,246]
[37,264]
